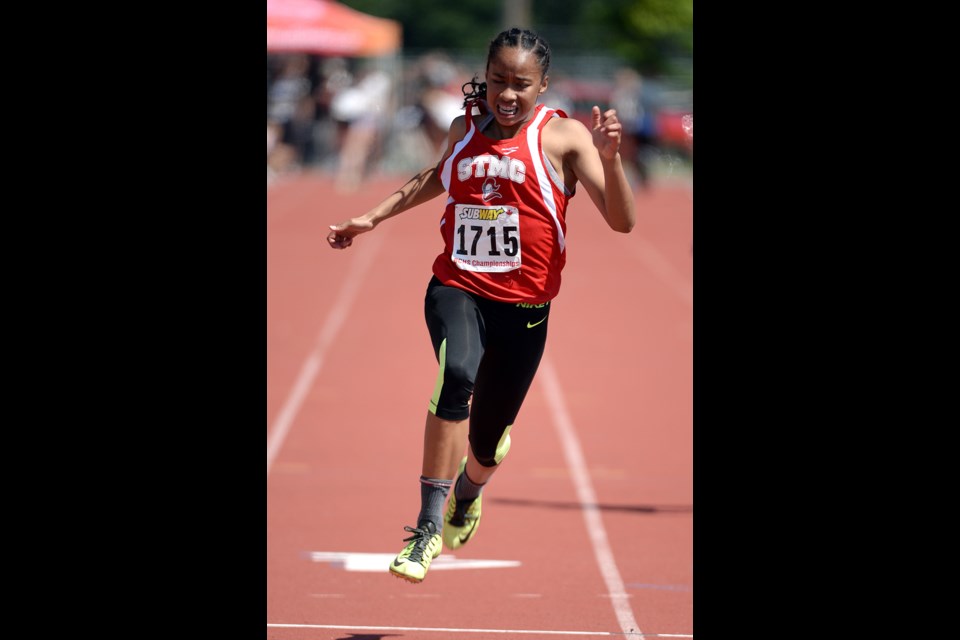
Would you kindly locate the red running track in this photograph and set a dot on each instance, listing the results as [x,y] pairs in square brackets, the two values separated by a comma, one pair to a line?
[588,526]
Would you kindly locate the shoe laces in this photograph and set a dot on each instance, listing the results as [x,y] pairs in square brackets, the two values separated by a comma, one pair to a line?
[460,515]
[420,538]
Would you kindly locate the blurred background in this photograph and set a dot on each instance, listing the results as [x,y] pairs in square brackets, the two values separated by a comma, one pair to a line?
[358,88]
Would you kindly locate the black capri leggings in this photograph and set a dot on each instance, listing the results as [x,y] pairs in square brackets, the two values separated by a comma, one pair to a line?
[488,350]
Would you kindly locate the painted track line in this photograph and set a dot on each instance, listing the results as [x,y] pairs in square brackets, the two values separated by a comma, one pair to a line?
[605,634]
[314,362]
[663,269]
[588,499]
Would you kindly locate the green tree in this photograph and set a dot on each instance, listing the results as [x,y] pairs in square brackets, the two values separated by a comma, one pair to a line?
[462,25]
[649,34]
[646,34]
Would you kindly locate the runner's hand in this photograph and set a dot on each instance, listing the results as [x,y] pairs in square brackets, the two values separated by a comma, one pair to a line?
[341,235]
[606,132]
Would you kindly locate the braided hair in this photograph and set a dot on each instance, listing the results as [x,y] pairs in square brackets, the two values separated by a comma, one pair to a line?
[514,37]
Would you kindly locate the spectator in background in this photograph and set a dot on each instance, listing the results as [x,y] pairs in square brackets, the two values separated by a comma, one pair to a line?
[627,99]
[559,96]
[432,98]
[334,77]
[360,112]
[281,157]
[441,97]
[290,113]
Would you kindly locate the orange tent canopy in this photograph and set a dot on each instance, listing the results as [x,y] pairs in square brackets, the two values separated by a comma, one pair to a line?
[328,28]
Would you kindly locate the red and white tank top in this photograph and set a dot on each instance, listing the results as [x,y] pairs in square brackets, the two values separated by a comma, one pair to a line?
[504,224]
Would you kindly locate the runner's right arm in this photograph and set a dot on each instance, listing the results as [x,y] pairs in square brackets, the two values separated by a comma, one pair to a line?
[421,188]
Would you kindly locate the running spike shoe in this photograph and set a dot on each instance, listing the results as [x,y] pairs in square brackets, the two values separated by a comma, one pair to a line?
[412,563]
[461,521]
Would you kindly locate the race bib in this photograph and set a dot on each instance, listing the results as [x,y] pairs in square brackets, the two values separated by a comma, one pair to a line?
[486,238]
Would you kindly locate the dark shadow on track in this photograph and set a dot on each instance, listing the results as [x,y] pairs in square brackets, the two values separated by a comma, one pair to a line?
[368,636]
[639,508]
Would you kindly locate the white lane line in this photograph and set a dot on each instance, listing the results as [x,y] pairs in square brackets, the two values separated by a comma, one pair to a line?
[605,634]
[588,499]
[311,367]
[663,269]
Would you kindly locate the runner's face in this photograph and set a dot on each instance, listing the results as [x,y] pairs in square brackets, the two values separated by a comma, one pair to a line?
[514,82]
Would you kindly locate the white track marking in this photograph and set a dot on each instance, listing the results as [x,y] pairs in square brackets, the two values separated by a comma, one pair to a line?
[663,269]
[375,562]
[588,499]
[605,634]
[311,367]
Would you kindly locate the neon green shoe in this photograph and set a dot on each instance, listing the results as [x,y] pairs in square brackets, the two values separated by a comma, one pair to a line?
[412,563]
[461,524]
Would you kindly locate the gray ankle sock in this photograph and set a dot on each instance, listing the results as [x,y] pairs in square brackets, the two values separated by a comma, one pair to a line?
[433,494]
[466,491]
